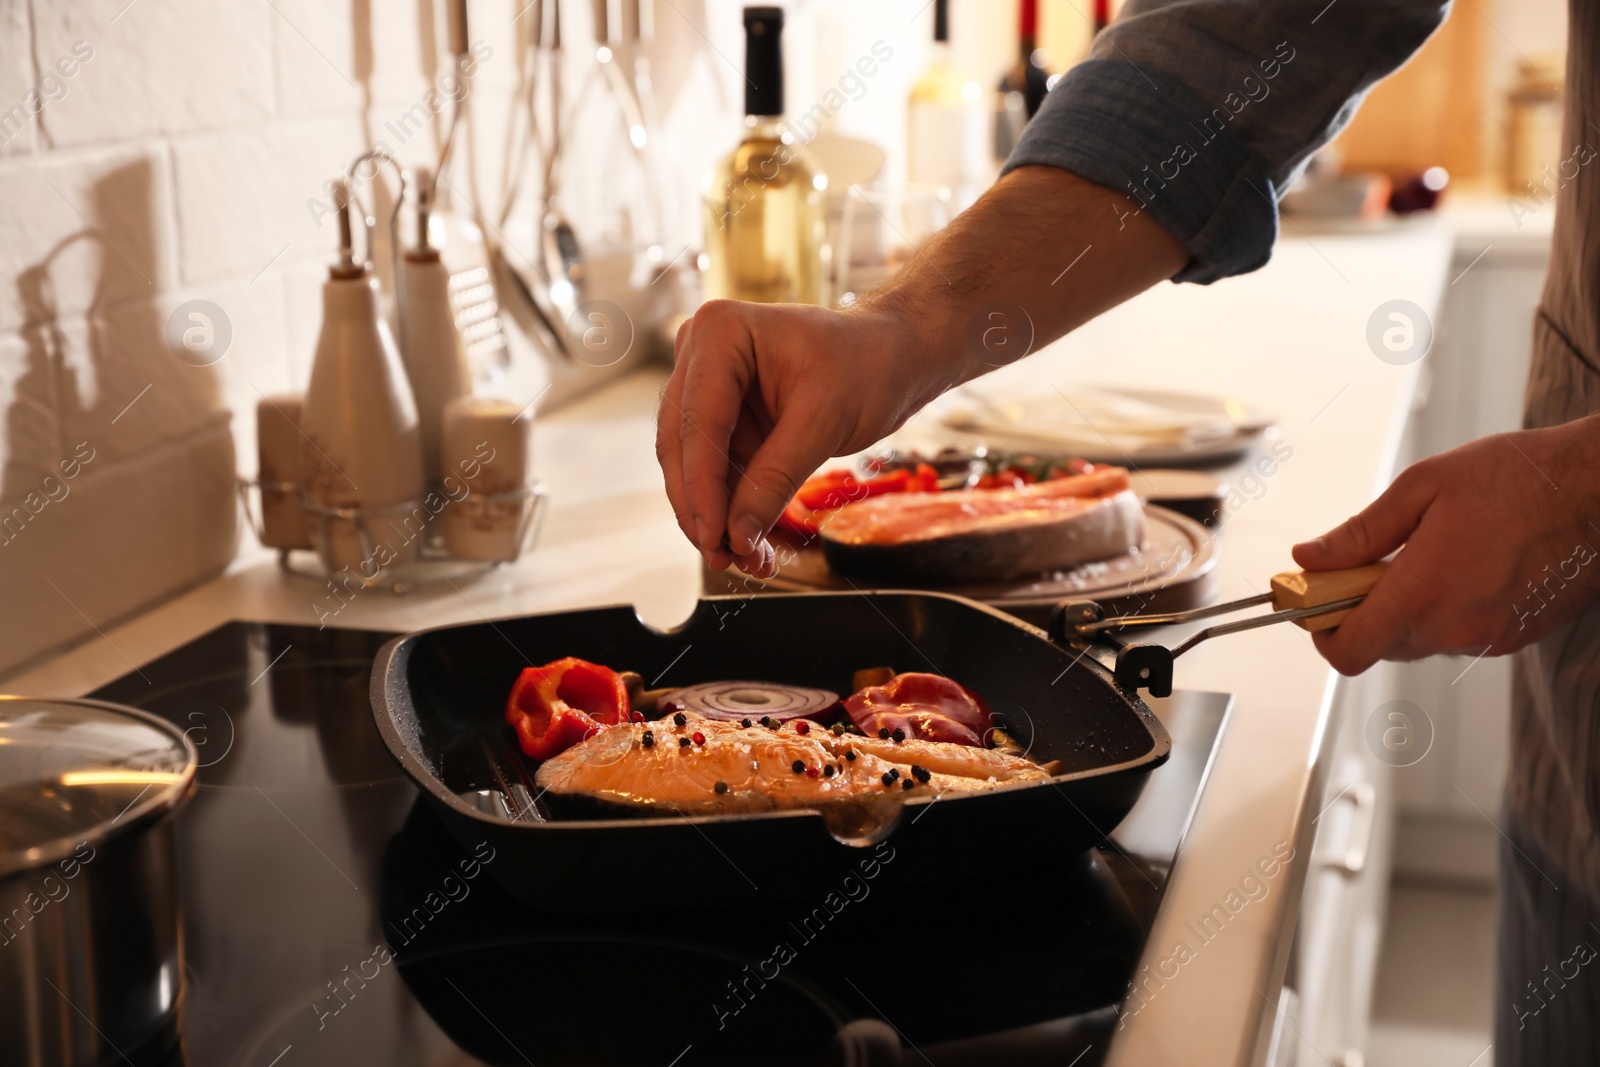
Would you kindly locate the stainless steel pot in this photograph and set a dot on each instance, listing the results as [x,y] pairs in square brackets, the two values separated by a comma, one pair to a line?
[91,947]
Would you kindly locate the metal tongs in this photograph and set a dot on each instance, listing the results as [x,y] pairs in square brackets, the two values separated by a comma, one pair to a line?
[1317,600]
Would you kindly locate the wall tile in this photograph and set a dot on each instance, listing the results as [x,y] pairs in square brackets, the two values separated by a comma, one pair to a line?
[82,230]
[125,391]
[248,200]
[159,67]
[18,127]
[126,536]
[318,69]
[30,434]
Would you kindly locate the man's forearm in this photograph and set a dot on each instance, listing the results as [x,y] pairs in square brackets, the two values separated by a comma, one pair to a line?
[1039,255]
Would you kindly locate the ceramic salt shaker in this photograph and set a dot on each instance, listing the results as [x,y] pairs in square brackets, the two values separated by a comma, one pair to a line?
[486,452]
[278,471]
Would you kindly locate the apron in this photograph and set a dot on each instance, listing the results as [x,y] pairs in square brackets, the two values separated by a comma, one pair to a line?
[1555,750]
[1547,1008]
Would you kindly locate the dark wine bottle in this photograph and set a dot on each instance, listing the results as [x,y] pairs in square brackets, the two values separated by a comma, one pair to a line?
[1028,75]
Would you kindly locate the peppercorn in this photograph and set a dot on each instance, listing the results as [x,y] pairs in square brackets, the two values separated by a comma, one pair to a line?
[883,734]
[798,766]
[851,755]
[921,774]
[699,738]
[802,727]
[636,716]
[888,779]
[683,742]
[908,784]
[648,740]
[680,719]
[827,772]
[745,723]
[894,772]
[899,735]
[721,787]
[766,720]
[838,729]
[812,772]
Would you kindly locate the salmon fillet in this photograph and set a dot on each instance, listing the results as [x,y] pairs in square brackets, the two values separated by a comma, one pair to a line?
[757,766]
[985,535]
[900,517]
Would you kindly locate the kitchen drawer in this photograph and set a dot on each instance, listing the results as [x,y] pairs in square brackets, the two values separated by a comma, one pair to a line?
[1342,912]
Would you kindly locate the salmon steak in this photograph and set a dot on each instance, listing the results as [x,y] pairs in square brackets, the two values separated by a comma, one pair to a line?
[979,535]
[711,767]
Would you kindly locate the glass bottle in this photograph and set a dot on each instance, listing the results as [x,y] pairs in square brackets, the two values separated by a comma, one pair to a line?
[765,218]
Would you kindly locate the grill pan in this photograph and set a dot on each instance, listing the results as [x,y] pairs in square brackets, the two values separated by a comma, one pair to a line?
[439,697]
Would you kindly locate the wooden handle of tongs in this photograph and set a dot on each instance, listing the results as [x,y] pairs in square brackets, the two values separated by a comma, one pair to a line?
[1308,589]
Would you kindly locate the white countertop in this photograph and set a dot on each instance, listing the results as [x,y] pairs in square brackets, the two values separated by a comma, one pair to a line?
[1290,338]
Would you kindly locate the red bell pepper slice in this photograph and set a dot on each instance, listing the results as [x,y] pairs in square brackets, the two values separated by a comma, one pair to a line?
[826,492]
[929,707]
[555,706]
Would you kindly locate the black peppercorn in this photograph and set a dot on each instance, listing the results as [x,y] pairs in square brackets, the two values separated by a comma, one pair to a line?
[894,772]
[766,720]
[680,719]
[899,735]
[648,740]
[908,784]
[827,771]
[721,787]
[883,734]
[798,766]
[745,723]
[888,779]
[683,742]
[851,755]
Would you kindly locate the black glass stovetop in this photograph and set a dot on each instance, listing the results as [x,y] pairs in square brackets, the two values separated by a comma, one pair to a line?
[329,918]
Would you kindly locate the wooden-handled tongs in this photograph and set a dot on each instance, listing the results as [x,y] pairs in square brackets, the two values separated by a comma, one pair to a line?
[1315,600]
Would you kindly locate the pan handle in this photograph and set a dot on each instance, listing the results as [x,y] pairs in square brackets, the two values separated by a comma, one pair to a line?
[1135,667]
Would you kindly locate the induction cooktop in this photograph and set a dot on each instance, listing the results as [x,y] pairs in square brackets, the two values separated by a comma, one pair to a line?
[329,918]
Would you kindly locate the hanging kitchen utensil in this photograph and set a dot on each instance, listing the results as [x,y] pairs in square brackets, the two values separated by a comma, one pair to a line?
[1316,600]
[616,40]
[524,285]
[463,247]
[558,241]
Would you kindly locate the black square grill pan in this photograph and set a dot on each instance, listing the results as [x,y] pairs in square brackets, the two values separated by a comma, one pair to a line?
[439,698]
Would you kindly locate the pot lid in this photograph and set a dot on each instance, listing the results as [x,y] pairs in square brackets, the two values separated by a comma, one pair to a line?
[82,770]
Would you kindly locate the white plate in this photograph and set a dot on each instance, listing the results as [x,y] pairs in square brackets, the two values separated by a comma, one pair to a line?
[1127,426]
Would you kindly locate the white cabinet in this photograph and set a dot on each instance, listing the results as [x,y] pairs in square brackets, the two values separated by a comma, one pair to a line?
[1335,957]
[1428,817]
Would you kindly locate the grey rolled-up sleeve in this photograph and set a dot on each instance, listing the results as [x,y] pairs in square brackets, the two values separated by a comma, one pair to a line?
[1203,111]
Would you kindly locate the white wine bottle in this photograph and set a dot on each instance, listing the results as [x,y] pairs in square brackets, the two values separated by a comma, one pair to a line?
[764,203]
[948,138]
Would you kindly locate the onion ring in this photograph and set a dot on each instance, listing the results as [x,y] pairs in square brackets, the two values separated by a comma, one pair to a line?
[733,701]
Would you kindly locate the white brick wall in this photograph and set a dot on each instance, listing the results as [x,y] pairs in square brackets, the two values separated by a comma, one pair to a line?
[175,162]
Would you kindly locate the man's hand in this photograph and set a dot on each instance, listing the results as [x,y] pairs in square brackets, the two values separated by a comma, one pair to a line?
[1501,540]
[761,394]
